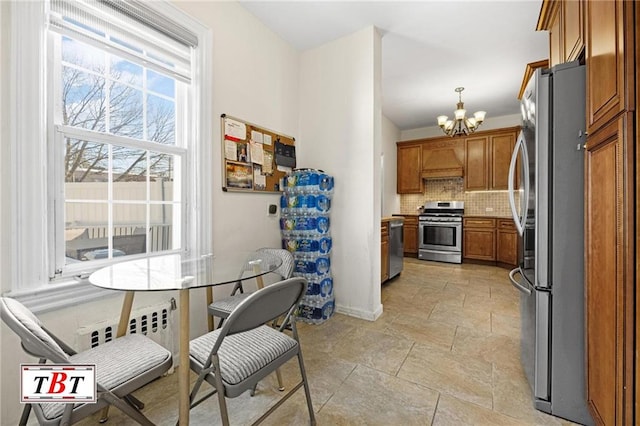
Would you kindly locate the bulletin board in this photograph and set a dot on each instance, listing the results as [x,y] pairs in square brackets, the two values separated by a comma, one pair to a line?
[254,159]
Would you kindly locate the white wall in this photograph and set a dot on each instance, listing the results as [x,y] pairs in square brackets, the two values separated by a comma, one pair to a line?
[255,77]
[340,118]
[5,263]
[390,197]
[435,131]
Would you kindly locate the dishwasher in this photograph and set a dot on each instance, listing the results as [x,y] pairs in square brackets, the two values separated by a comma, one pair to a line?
[396,246]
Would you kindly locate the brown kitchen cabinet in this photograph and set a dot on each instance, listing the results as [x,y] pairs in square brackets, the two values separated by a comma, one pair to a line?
[572,29]
[555,41]
[384,251]
[564,20]
[611,262]
[606,65]
[409,168]
[506,243]
[482,159]
[476,163]
[410,235]
[479,238]
[487,159]
[609,275]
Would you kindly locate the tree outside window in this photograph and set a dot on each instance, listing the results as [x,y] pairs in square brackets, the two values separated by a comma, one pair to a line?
[120,197]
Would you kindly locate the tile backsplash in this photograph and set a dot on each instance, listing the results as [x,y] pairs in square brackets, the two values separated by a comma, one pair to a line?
[476,203]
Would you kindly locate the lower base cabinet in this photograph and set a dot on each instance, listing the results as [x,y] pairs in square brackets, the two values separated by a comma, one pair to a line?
[479,241]
[410,235]
[490,240]
[507,242]
[384,252]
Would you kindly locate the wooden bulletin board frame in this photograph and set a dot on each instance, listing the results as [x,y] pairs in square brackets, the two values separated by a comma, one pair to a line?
[249,156]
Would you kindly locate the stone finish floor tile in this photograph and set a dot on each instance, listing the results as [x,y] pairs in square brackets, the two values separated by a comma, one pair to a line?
[489,347]
[465,317]
[371,397]
[374,349]
[455,374]
[445,351]
[454,412]
[512,396]
[505,324]
[423,330]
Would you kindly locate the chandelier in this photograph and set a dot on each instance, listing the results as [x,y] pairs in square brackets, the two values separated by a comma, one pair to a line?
[461,125]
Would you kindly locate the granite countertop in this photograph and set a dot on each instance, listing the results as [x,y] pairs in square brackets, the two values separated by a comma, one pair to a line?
[390,218]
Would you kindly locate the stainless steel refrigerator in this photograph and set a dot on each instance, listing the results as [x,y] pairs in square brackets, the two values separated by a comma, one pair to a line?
[548,210]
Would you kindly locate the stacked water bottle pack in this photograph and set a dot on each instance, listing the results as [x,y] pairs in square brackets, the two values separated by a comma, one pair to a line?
[304,223]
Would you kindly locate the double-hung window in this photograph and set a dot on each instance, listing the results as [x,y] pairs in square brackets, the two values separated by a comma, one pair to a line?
[123,135]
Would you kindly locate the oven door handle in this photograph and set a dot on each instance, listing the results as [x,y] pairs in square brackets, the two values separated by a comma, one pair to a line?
[441,223]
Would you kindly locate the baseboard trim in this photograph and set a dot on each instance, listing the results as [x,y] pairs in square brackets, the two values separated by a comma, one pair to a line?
[359,313]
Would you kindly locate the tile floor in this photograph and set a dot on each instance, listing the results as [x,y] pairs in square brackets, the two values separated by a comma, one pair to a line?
[444,352]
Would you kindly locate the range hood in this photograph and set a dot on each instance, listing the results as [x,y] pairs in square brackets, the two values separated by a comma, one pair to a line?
[441,163]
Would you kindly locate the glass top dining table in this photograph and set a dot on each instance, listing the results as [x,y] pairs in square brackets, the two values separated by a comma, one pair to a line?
[182,273]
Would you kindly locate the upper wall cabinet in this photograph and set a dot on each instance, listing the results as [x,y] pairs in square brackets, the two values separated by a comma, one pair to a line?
[572,29]
[564,20]
[487,159]
[428,159]
[476,163]
[409,169]
[605,62]
[482,159]
[556,46]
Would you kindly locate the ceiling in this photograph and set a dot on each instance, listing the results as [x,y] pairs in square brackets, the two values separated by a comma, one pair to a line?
[428,49]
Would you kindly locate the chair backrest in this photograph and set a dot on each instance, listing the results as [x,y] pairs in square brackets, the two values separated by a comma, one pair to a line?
[285,270]
[266,304]
[36,340]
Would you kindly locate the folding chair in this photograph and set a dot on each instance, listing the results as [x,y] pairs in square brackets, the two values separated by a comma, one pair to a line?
[122,366]
[235,357]
[222,308]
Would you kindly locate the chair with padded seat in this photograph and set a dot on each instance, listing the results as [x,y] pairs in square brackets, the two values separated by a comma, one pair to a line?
[123,365]
[236,356]
[222,308]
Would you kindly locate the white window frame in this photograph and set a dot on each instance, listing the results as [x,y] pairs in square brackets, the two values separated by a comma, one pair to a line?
[30,245]
[58,267]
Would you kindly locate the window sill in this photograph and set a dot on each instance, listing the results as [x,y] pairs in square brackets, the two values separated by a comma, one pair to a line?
[61,295]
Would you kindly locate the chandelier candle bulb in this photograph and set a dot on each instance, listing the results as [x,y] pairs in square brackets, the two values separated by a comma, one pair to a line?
[479,116]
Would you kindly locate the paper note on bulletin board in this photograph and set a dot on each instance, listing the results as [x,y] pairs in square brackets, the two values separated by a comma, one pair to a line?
[254,158]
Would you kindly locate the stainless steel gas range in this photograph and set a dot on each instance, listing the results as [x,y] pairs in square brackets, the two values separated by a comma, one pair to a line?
[440,231]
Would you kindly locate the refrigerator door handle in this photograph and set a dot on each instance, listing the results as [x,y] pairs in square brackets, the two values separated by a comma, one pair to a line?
[519,219]
[524,288]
